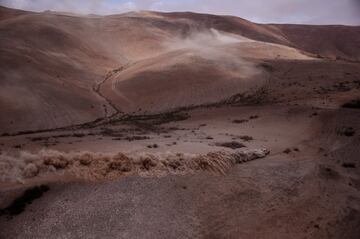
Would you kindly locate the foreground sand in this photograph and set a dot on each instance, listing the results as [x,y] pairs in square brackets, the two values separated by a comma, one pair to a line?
[307,187]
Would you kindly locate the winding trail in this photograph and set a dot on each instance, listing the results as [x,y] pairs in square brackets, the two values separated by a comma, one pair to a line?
[97,90]
[117,114]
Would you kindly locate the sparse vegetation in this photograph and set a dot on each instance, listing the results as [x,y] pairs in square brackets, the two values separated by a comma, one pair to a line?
[136,137]
[232,145]
[237,121]
[153,146]
[287,151]
[314,114]
[348,165]
[354,104]
[78,135]
[346,131]
[328,173]
[246,138]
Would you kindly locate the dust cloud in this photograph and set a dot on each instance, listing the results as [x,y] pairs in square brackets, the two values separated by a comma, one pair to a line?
[219,48]
[23,165]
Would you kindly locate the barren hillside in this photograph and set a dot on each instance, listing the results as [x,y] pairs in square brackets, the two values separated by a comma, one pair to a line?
[65,69]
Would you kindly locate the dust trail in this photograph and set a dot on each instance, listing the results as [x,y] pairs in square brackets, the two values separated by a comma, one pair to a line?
[97,166]
[213,45]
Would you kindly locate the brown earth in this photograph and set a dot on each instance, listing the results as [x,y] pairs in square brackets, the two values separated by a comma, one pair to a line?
[177,125]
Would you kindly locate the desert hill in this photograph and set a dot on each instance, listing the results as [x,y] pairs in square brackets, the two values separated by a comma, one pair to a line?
[326,41]
[68,69]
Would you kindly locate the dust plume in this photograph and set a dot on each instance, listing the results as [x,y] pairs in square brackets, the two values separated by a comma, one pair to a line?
[97,166]
[217,47]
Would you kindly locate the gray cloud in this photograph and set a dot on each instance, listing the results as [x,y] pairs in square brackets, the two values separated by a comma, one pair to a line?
[263,11]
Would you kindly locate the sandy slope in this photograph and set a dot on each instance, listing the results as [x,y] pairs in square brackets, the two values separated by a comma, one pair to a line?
[202,69]
[53,61]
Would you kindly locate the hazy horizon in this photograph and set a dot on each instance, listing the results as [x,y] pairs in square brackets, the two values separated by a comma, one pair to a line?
[345,12]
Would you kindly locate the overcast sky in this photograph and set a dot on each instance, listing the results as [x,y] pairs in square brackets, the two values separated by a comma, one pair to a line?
[264,11]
